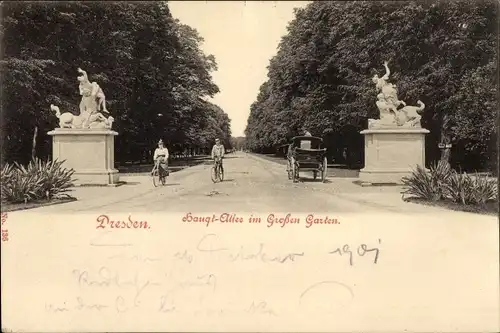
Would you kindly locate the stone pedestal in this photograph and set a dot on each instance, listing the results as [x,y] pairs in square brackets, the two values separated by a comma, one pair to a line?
[90,152]
[391,154]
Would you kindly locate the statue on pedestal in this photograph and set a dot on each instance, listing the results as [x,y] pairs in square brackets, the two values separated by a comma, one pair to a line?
[388,103]
[93,102]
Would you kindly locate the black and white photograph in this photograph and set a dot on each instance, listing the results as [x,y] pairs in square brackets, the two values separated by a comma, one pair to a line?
[249,166]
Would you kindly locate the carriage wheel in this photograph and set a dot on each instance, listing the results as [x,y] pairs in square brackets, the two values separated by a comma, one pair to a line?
[325,169]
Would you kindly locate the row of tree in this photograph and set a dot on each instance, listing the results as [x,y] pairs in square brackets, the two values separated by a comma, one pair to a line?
[156,79]
[443,53]
[238,143]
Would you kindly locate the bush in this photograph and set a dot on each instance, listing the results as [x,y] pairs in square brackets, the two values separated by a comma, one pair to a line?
[467,190]
[428,185]
[39,180]
[443,183]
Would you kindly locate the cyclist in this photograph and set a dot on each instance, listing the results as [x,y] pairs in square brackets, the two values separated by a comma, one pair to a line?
[218,152]
[161,157]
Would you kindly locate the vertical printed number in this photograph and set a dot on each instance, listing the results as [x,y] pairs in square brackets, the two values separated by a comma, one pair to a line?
[5,232]
[5,235]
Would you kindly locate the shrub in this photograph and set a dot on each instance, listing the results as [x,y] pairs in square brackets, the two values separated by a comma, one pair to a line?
[55,179]
[7,173]
[443,183]
[20,187]
[485,189]
[40,180]
[460,188]
[467,190]
[428,185]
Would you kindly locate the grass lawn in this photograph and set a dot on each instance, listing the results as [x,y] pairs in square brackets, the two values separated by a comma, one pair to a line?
[11,207]
[490,208]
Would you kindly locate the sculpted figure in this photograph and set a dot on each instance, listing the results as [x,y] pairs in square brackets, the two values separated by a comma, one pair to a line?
[102,122]
[388,103]
[93,101]
[385,108]
[389,90]
[387,114]
[410,116]
[67,119]
[85,120]
[88,103]
[95,91]
[381,82]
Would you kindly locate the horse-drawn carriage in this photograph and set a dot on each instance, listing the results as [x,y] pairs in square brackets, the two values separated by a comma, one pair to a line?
[306,153]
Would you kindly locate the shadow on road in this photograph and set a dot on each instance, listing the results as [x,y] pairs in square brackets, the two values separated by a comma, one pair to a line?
[311,180]
[129,183]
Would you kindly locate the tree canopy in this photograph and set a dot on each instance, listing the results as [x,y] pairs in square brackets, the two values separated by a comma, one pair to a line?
[443,53]
[156,79]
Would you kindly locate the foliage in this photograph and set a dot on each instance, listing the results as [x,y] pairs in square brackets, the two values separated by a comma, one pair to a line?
[441,52]
[150,66]
[444,183]
[428,185]
[467,190]
[39,180]
[238,143]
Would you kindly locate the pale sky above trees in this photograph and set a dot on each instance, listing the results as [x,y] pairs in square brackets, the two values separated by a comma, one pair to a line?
[243,37]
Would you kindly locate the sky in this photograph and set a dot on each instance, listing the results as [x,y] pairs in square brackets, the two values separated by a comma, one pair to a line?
[243,37]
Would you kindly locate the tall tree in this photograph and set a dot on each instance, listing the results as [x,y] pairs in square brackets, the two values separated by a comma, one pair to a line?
[321,75]
[149,64]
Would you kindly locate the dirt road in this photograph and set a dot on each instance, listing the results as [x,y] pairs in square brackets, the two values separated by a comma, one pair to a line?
[251,184]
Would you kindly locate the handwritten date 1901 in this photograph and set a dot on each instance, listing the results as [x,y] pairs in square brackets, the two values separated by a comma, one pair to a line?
[103,221]
[361,251]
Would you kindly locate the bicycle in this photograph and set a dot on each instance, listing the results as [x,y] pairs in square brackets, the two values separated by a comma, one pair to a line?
[155,175]
[217,172]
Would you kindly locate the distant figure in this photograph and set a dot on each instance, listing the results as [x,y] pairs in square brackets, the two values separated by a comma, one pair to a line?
[161,157]
[305,144]
[218,152]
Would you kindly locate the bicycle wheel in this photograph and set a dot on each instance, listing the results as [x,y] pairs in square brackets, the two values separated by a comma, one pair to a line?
[155,177]
[214,174]
[221,173]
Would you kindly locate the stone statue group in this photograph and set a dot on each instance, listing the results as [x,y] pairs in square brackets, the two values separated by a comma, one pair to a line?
[388,103]
[92,105]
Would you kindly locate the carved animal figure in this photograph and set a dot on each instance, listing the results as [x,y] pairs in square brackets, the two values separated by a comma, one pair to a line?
[67,119]
[103,123]
[410,116]
[385,108]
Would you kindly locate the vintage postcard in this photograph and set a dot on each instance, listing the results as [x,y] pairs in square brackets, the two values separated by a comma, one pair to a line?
[249,166]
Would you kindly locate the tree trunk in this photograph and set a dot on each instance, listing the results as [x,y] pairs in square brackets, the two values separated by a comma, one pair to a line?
[33,148]
[445,140]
